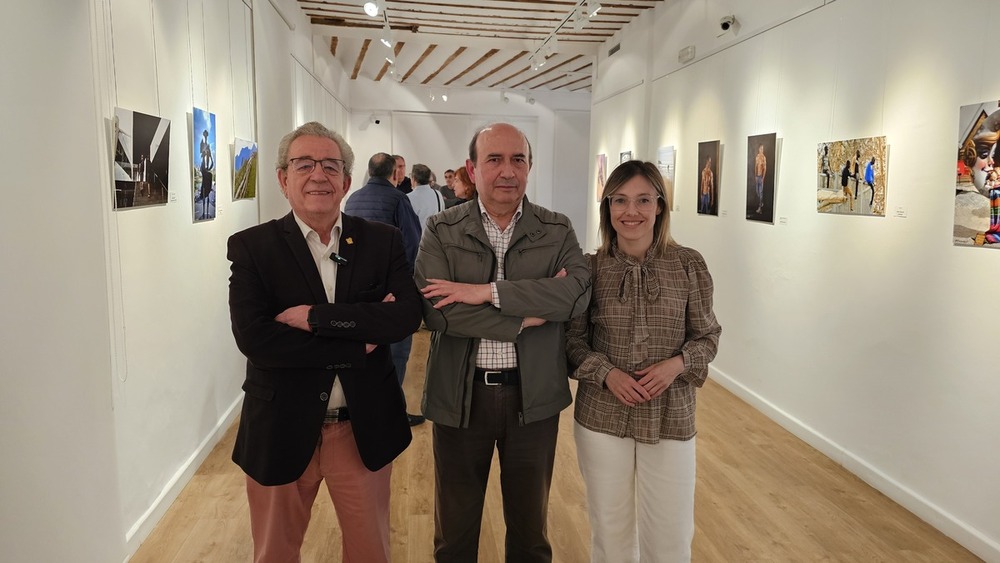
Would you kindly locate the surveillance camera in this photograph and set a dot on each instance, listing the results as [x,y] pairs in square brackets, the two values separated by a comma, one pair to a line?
[727,22]
[377,121]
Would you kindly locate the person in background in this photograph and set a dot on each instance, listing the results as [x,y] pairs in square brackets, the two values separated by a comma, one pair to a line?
[639,352]
[870,179]
[380,201]
[500,276]
[845,179]
[825,169]
[399,177]
[425,200]
[448,190]
[857,173]
[314,298]
[465,188]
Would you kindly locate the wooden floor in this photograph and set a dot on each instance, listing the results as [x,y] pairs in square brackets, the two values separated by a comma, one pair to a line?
[762,495]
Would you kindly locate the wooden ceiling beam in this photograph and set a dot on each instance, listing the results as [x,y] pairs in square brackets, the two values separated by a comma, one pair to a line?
[453,56]
[423,56]
[385,66]
[481,60]
[497,69]
[360,59]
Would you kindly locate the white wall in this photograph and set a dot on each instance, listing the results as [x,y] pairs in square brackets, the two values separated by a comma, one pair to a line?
[57,441]
[871,338]
[176,373]
[437,133]
[298,80]
[120,371]
[119,368]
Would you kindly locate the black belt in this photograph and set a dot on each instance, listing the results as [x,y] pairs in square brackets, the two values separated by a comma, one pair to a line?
[336,415]
[498,376]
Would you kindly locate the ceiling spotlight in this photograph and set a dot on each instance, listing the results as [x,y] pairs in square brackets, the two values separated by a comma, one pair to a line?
[537,60]
[371,8]
[504,98]
[531,100]
[387,35]
[444,97]
[431,95]
[578,19]
[390,61]
[593,6]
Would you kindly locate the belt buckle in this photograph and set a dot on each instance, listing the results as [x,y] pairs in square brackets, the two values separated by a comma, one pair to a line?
[488,373]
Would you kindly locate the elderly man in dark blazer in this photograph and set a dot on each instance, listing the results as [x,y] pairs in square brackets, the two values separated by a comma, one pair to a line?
[315,299]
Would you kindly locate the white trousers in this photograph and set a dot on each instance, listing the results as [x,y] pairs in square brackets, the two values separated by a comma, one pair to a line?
[640,497]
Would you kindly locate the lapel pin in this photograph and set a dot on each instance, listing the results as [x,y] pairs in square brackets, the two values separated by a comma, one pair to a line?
[350,240]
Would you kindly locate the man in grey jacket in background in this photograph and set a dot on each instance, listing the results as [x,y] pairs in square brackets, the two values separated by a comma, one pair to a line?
[499,279]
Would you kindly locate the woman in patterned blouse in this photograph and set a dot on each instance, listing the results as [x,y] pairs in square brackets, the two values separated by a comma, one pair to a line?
[639,353]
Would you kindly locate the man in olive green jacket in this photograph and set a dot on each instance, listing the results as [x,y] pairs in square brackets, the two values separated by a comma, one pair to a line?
[500,276]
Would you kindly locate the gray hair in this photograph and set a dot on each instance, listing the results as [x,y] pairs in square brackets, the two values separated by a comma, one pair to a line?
[421,174]
[315,129]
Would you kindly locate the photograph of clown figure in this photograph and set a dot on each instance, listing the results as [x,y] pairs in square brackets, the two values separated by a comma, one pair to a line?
[977,178]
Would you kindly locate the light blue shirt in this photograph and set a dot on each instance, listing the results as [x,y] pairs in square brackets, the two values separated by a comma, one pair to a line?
[426,201]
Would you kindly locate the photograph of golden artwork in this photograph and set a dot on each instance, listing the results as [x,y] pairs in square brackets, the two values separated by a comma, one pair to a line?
[851,176]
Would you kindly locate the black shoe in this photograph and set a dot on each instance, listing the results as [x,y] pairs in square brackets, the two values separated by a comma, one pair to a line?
[415,419]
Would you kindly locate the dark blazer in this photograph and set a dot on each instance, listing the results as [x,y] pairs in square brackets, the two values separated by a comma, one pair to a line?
[290,371]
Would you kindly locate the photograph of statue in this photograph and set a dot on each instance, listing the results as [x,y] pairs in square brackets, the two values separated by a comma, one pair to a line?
[203,153]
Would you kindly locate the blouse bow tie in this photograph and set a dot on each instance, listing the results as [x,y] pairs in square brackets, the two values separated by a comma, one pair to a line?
[638,280]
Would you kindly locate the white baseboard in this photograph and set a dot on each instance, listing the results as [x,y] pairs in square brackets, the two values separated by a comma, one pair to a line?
[967,536]
[145,524]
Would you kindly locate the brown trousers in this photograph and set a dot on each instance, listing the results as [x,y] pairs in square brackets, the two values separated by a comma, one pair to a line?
[462,458]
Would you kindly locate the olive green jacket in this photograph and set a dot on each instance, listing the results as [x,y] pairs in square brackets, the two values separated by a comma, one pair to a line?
[455,247]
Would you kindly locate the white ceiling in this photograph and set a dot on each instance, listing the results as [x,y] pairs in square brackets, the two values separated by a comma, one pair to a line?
[473,44]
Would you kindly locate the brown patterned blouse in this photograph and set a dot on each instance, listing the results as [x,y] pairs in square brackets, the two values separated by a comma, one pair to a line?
[640,314]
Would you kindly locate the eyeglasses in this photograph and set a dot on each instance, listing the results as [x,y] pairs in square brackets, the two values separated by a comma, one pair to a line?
[642,203]
[305,165]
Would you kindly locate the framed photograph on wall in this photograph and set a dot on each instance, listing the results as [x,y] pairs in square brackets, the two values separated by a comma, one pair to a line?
[851,176]
[244,169]
[203,153]
[602,175]
[761,161]
[625,156]
[977,177]
[142,159]
[708,177]
[666,159]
